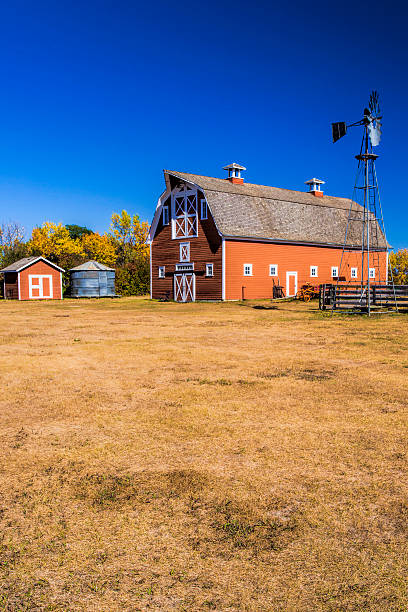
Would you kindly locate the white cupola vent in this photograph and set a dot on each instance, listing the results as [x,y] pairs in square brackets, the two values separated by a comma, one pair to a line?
[234,173]
[315,187]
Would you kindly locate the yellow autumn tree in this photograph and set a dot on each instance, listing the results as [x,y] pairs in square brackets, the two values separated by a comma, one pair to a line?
[99,248]
[399,266]
[129,235]
[53,241]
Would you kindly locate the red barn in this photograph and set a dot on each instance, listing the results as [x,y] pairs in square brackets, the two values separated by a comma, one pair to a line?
[33,278]
[222,239]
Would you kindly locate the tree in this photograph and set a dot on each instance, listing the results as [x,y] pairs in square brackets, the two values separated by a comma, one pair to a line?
[53,241]
[99,248]
[130,236]
[78,231]
[399,266]
[12,246]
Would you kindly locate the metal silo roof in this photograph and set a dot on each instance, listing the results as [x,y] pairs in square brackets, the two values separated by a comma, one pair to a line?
[91,265]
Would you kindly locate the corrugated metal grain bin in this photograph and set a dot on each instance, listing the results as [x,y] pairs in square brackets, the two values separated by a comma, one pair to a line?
[92,279]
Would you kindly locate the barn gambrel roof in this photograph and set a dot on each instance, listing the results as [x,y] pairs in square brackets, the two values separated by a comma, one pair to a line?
[282,215]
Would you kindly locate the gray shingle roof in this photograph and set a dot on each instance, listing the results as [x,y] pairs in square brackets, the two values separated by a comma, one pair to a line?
[27,261]
[259,211]
[91,265]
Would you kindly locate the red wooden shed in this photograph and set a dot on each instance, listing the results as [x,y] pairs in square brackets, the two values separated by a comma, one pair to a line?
[33,278]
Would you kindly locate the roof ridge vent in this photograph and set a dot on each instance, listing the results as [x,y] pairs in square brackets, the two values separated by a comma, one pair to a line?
[314,187]
[234,173]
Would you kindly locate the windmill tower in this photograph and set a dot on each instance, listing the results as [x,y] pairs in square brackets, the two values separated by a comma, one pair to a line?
[365,223]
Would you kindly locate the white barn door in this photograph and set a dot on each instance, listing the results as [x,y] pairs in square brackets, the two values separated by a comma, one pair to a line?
[184,287]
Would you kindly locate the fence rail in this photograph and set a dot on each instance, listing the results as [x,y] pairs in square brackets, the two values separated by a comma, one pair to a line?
[359,297]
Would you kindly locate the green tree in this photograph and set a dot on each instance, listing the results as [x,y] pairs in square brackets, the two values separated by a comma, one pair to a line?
[77,231]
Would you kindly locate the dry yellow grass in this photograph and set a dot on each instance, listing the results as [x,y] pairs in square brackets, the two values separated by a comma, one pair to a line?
[201,457]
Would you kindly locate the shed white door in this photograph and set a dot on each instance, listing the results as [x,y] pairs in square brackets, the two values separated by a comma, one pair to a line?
[40,286]
[291,284]
[184,287]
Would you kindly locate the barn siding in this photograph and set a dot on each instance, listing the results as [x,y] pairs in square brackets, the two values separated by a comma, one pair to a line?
[205,248]
[288,258]
[40,267]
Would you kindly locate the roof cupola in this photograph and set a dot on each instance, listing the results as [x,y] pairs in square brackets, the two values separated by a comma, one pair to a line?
[234,173]
[314,187]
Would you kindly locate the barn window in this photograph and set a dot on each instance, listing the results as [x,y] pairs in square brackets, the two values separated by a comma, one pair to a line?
[334,271]
[165,215]
[209,269]
[184,214]
[372,272]
[184,251]
[204,213]
[247,269]
[353,272]
[273,270]
[162,271]
[314,271]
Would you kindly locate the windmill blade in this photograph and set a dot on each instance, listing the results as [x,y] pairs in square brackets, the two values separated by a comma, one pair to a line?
[339,130]
[374,103]
[374,130]
[374,125]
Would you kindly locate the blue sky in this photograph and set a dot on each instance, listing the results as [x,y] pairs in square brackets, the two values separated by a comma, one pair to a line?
[99,97]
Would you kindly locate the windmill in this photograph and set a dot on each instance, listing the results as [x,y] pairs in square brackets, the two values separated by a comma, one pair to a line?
[365,224]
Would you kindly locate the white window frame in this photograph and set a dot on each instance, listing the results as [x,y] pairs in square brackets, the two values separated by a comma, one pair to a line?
[275,267]
[184,245]
[314,269]
[40,286]
[166,217]
[334,268]
[162,271]
[204,210]
[371,273]
[209,269]
[249,266]
[353,272]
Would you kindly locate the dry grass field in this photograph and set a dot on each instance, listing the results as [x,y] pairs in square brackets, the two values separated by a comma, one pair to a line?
[228,457]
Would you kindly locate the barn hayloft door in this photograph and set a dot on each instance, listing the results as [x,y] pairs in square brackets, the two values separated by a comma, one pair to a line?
[184,287]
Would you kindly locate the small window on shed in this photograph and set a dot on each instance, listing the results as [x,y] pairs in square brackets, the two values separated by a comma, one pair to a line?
[313,271]
[353,273]
[165,215]
[247,269]
[209,269]
[162,271]
[334,271]
[204,213]
[372,272]
[273,270]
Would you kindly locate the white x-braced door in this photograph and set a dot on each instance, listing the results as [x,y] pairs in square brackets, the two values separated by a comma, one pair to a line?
[184,287]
